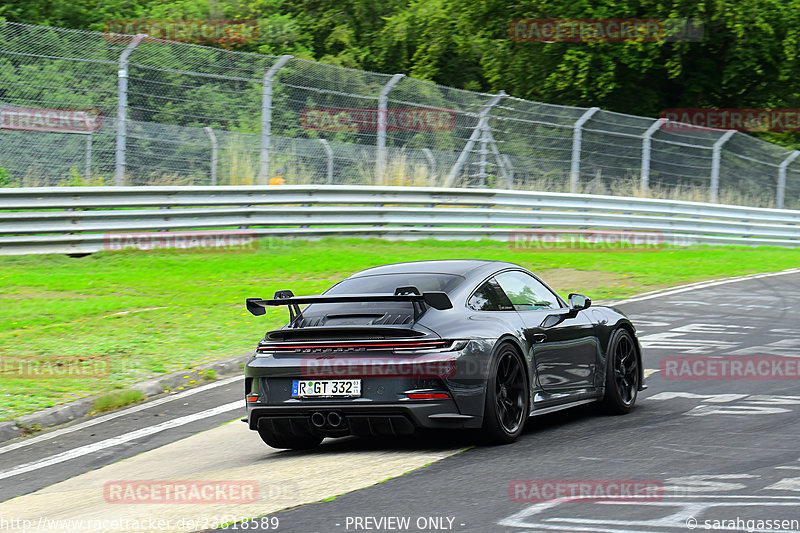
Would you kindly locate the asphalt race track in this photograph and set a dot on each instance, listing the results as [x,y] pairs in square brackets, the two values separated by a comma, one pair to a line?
[724,452]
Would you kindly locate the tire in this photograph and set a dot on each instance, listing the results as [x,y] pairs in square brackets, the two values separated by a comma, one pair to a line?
[622,374]
[506,404]
[289,441]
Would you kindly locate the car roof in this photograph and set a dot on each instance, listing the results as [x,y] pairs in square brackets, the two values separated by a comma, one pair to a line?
[458,267]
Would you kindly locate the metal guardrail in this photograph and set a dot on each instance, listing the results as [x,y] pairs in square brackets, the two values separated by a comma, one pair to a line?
[81,219]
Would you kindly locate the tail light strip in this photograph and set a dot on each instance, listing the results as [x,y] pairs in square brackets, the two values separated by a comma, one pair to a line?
[351,346]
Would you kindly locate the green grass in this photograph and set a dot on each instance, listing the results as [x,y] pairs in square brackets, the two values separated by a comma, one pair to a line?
[147,313]
[116,399]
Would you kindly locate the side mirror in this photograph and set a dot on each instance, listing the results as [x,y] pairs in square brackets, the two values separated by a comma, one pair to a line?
[578,302]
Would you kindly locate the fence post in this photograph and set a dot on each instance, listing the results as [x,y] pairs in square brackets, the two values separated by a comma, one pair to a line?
[329,152]
[214,153]
[646,154]
[577,139]
[482,175]
[716,152]
[476,133]
[266,117]
[501,160]
[88,171]
[431,160]
[122,107]
[780,194]
[510,168]
[383,111]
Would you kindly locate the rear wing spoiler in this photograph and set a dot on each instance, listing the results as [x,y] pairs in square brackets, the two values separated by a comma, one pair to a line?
[436,299]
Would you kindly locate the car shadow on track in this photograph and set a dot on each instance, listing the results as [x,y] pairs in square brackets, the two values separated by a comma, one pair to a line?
[590,415]
[442,440]
[422,441]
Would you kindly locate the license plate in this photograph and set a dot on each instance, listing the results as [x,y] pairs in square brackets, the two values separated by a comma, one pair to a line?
[326,388]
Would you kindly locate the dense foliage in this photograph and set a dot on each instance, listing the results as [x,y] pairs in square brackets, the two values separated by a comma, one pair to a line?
[748,57]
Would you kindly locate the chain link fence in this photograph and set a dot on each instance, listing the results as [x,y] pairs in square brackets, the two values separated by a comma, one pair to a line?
[181,114]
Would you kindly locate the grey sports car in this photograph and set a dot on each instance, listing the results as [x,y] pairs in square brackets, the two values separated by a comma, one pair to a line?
[468,344]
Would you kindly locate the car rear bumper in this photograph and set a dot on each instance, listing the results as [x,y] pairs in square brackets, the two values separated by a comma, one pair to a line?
[387,381]
[375,419]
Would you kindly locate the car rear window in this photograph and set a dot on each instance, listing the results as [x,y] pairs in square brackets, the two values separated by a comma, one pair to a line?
[387,283]
[364,313]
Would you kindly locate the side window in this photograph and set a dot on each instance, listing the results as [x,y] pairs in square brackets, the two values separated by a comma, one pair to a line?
[490,297]
[525,292]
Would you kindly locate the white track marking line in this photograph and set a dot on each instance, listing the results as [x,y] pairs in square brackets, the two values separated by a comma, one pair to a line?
[115,441]
[703,285]
[117,414]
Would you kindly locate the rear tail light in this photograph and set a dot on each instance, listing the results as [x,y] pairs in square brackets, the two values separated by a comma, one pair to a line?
[252,397]
[356,346]
[428,396]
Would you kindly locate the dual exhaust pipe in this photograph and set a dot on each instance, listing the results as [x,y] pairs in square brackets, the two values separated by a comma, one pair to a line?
[333,420]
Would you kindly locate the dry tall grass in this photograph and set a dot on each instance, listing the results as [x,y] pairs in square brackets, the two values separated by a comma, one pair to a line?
[239,165]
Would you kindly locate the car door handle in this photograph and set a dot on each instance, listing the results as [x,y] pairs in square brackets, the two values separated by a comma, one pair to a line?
[539,338]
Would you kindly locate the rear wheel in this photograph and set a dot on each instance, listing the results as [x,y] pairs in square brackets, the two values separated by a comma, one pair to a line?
[291,441]
[622,374]
[506,404]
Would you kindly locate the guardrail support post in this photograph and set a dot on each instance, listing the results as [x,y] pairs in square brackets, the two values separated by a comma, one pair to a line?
[577,137]
[214,152]
[266,117]
[646,140]
[482,156]
[431,160]
[780,193]
[329,152]
[483,119]
[716,152]
[510,169]
[502,160]
[88,171]
[122,108]
[380,141]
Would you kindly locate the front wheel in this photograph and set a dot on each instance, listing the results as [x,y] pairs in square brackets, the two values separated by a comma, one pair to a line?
[506,402]
[622,374]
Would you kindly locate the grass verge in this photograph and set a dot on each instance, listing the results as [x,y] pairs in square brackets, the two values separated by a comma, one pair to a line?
[116,399]
[133,315]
